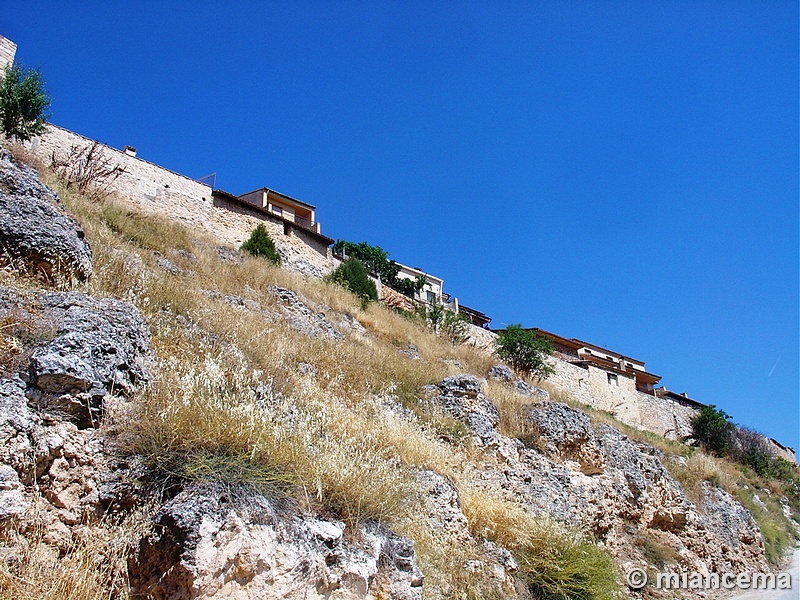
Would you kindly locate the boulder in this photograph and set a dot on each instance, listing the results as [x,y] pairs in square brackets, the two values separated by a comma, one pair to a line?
[204,547]
[101,346]
[461,397]
[501,373]
[36,235]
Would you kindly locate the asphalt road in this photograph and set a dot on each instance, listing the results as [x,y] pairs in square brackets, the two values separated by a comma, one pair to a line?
[792,594]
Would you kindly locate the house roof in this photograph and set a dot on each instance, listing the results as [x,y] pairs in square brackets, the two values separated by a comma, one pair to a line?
[639,376]
[680,398]
[576,344]
[419,272]
[228,196]
[284,197]
[476,314]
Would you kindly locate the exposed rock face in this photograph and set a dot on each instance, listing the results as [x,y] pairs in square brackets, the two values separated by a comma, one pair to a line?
[204,548]
[34,229]
[461,396]
[601,481]
[501,373]
[91,347]
[57,471]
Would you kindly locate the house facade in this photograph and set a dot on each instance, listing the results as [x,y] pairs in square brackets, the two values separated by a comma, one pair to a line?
[8,50]
[284,207]
[430,292]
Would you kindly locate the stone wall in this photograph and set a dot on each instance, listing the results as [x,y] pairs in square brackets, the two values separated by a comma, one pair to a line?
[589,385]
[158,190]
[8,50]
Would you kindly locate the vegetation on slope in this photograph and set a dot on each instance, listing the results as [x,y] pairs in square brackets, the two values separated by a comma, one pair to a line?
[228,386]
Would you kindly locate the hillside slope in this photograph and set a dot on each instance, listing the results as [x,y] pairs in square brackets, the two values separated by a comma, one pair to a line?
[190,422]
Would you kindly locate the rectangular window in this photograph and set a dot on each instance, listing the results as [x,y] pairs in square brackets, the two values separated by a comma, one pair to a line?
[277,210]
[612,379]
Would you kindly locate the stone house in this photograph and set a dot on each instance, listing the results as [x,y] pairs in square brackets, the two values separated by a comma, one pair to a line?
[288,209]
[430,292]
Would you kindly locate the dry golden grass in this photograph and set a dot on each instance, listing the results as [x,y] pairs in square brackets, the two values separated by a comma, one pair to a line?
[229,404]
[92,567]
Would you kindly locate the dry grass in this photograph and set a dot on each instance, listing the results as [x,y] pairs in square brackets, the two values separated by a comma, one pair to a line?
[93,566]
[556,563]
[229,405]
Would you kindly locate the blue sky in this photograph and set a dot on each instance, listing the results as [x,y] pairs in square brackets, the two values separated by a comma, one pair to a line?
[621,172]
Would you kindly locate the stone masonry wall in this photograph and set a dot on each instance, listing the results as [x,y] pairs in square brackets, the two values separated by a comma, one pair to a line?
[589,385]
[158,190]
[8,50]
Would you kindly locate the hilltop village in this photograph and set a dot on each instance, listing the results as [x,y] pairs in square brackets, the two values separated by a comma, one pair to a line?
[604,379]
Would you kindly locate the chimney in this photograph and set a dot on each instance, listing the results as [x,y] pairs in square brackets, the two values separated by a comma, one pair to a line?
[129,150]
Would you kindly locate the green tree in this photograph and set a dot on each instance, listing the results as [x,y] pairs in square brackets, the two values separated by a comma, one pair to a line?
[525,350]
[352,275]
[23,102]
[713,429]
[377,260]
[260,244]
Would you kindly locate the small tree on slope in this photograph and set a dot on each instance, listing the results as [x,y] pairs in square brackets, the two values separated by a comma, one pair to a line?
[23,102]
[260,244]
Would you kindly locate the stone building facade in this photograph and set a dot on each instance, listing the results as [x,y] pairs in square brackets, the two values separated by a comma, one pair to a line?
[8,51]
[156,189]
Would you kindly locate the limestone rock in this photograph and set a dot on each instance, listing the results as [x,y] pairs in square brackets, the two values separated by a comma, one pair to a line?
[538,394]
[303,317]
[501,373]
[16,426]
[203,547]
[461,397]
[101,346]
[34,229]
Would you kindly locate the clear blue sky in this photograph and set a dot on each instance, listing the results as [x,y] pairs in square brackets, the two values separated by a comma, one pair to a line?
[621,172]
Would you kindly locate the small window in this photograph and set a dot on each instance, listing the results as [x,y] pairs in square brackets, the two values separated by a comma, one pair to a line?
[612,379]
[277,210]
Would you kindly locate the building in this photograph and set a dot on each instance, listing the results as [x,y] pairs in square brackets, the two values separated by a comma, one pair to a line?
[8,50]
[284,207]
[617,366]
[430,292]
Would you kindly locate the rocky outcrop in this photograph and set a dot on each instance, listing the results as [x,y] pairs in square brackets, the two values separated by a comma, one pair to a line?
[83,348]
[204,547]
[36,236]
[461,397]
[597,479]
[76,356]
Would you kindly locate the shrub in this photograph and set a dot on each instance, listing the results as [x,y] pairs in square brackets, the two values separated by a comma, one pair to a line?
[353,275]
[23,102]
[713,429]
[444,322]
[525,350]
[87,169]
[260,244]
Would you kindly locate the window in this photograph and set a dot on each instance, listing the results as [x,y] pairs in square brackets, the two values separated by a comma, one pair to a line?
[612,379]
[277,210]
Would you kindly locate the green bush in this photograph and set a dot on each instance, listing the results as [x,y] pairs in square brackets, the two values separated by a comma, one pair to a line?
[353,275]
[714,431]
[23,102]
[260,244]
[444,322]
[525,350]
